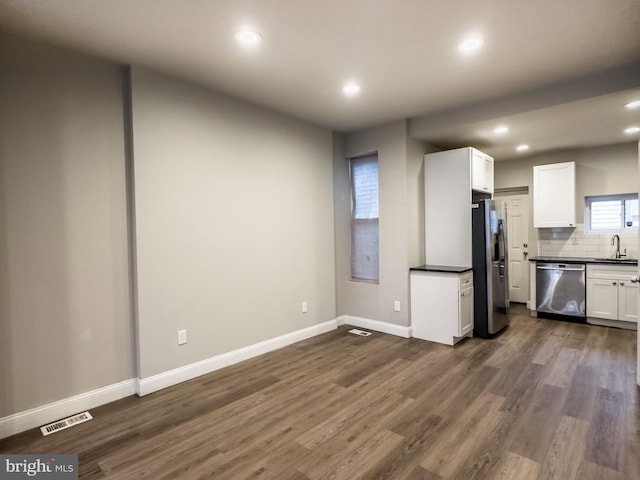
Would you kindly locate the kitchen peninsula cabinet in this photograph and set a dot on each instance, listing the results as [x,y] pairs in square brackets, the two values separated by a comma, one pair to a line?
[610,293]
[441,303]
[554,195]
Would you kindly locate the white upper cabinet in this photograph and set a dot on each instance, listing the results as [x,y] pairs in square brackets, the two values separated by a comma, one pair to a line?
[554,195]
[481,171]
[449,178]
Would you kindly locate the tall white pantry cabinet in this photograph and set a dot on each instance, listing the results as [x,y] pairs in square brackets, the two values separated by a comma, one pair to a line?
[449,179]
[442,291]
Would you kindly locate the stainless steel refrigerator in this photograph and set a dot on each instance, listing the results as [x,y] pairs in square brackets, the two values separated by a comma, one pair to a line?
[490,267]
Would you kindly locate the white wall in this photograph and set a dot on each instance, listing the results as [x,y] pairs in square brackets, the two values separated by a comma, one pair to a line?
[234,222]
[65,324]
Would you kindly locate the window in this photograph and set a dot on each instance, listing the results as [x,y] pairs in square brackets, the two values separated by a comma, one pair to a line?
[364,218]
[610,213]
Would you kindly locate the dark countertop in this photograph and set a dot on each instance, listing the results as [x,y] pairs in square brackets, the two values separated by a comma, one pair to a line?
[610,261]
[441,268]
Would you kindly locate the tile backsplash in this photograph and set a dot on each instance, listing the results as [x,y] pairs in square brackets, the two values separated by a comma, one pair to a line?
[575,242]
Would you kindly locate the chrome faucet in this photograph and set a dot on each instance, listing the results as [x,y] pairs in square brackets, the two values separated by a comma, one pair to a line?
[616,240]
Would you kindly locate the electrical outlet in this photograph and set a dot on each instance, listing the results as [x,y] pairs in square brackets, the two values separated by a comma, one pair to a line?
[305,307]
[182,337]
[396,305]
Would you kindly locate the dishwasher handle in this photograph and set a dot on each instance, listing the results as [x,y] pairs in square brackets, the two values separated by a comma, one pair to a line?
[578,269]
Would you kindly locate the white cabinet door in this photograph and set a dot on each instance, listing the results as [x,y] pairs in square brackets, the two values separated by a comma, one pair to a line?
[627,301]
[440,311]
[554,198]
[466,312]
[481,172]
[602,299]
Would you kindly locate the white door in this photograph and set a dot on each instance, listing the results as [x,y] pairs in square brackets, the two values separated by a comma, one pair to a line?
[518,243]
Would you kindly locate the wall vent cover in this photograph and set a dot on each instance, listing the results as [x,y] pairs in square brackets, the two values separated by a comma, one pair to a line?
[65,423]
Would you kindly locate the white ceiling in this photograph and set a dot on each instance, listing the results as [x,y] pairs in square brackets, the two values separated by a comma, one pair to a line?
[556,71]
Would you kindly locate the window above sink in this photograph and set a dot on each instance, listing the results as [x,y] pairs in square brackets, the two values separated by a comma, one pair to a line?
[611,213]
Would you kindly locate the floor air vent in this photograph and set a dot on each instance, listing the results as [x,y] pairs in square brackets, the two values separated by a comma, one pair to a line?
[65,423]
[362,333]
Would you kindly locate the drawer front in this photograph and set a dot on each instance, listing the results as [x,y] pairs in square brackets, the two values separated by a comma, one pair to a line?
[466,280]
[611,271]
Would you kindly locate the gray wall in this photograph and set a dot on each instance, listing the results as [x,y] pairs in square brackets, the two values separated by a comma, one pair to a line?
[234,222]
[65,323]
[599,171]
[401,221]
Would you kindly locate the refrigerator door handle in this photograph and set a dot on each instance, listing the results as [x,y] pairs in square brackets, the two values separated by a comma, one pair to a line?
[501,249]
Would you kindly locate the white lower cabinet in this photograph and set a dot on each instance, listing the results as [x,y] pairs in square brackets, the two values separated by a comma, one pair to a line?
[610,293]
[441,305]
[628,301]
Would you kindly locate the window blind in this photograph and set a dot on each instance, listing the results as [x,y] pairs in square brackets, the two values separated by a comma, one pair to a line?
[364,218]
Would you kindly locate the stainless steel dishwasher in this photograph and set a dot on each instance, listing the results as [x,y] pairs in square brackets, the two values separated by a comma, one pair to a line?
[560,289]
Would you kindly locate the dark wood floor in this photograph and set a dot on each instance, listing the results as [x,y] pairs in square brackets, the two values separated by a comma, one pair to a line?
[546,399]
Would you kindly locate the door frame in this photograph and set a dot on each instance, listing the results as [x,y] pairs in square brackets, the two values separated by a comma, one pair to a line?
[501,194]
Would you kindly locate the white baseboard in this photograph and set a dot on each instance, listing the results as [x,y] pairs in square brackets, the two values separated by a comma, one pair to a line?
[378,326]
[193,370]
[38,416]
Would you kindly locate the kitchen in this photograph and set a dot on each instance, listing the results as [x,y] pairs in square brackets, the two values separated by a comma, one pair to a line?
[559,239]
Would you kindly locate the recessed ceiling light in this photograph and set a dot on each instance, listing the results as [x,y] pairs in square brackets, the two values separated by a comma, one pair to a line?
[351,89]
[632,130]
[248,38]
[470,45]
[501,130]
[522,148]
[634,104]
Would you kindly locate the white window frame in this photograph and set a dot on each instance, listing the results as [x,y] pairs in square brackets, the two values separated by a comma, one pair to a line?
[600,198]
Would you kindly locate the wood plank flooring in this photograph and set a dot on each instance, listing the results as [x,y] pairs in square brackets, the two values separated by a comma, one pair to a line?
[544,400]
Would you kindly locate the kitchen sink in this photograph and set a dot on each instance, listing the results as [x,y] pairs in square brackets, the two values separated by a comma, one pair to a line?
[617,260]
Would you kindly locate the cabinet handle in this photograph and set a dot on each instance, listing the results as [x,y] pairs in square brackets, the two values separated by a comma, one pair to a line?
[635,279]
[622,284]
[614,283]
